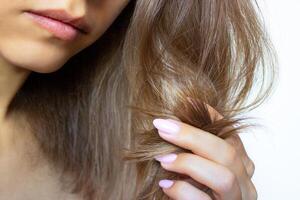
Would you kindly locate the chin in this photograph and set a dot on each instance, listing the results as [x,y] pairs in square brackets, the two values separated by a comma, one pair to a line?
[34,67]
[42,65]
[34,56]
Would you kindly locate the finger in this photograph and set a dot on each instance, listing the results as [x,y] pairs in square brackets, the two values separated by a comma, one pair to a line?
[217,177]
[242,169]
[198,141]
[236,142]
[182,190]
[198,185]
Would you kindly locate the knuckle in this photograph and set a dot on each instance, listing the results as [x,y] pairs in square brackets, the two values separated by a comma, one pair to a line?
[186,162]
[189,138]
[230,155]
[227,182]
[235,141]
[179,187]
[251,167]
[253,193]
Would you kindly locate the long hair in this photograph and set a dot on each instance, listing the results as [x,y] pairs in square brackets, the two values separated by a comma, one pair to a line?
[93,118]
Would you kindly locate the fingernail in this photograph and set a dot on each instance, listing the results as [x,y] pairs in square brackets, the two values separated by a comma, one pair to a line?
[165,183]
[166,158]
[167,126]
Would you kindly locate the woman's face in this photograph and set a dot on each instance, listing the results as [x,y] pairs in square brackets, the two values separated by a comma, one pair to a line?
[24,42]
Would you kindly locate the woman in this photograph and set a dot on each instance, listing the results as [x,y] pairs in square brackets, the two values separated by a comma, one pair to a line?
[86,87]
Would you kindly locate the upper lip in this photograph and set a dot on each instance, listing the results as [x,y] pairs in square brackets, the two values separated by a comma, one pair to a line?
[63,16]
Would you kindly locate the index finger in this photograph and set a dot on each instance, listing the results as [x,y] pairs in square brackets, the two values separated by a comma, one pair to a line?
[197,140]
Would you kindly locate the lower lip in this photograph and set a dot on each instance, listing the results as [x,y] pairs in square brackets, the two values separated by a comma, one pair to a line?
[59,29]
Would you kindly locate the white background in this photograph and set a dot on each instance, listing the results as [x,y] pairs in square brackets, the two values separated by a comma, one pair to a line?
[275,148]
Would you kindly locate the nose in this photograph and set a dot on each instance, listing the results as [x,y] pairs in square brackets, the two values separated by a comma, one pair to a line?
[76,8]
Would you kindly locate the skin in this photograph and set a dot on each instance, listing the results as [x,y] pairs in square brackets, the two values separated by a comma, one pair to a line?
[25,44]
[221,165]
[26,47]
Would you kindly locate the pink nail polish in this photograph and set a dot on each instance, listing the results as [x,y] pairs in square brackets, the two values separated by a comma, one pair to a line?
[166,126]
[165,183]
[166,158]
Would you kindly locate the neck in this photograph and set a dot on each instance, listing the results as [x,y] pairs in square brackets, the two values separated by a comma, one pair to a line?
[11,80]
[18,146]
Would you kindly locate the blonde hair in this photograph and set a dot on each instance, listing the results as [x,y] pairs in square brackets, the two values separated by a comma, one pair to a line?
[165,58]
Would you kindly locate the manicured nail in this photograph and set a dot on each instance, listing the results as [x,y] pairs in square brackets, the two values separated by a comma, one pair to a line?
[166,158]
[167,126]
[165,183]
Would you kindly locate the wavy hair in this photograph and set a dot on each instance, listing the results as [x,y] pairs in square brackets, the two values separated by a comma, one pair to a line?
[93,118]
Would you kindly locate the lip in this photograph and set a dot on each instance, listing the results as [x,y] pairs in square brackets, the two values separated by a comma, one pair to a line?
[60,23]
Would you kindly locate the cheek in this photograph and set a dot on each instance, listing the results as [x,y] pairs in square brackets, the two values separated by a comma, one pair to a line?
[26,45]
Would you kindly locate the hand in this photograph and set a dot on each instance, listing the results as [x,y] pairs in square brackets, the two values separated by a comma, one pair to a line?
[221,165]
